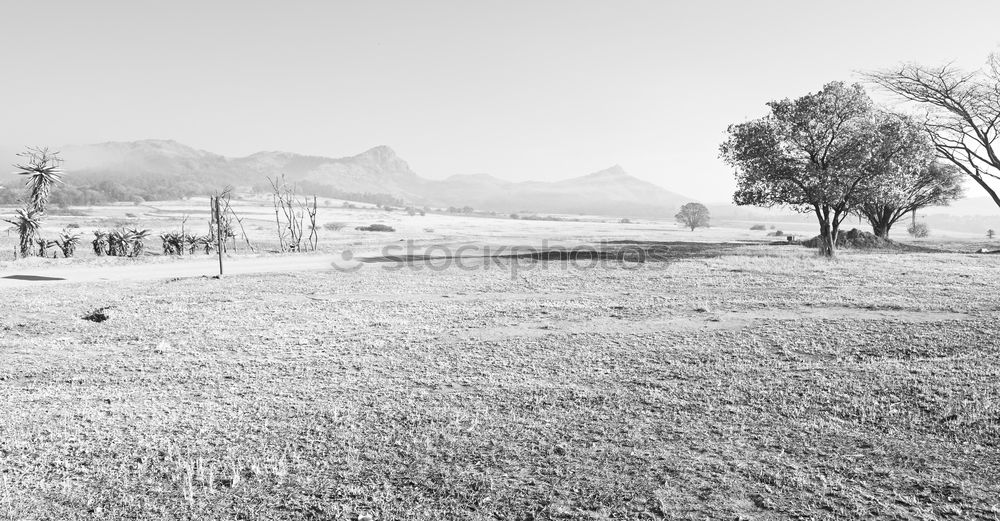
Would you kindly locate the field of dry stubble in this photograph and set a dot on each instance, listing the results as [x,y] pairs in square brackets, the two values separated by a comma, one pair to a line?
[764,383]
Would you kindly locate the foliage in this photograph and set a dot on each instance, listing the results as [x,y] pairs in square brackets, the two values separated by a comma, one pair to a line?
[758,227]
[904,177]
[693,215]
[918,230]
[990,233]
[963,114]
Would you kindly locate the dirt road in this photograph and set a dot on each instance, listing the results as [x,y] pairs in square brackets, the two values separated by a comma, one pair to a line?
[14,275]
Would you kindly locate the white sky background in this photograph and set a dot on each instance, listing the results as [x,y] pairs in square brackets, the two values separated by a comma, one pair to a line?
[524,90]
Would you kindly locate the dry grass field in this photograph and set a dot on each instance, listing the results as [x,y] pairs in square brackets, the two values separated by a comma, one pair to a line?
[751,382]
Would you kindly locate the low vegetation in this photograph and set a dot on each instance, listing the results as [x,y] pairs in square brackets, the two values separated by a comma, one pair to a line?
[376,228]
[795,392]
[124,242]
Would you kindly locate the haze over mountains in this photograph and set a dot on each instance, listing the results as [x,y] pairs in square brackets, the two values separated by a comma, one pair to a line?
[163,165]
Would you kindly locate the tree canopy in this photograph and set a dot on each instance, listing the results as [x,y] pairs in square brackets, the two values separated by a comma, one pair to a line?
[904,176]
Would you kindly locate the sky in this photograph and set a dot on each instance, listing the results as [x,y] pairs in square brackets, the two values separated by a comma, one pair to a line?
[523,90]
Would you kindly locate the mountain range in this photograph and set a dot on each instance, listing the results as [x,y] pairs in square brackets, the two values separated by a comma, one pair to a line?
[160,165]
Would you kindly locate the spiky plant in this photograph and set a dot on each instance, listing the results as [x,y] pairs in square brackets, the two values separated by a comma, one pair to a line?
[43,169]
[67,242]
[193,243]
[26,223]
[137,241]
[207,242]
[100,243]
[43,246]
[119,243]
[174,243]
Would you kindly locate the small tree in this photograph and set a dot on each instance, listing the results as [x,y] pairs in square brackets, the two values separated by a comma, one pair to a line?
[693,215]
[990,233]
[918,230]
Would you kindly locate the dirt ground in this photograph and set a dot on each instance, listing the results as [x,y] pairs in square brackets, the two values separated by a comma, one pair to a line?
[752,383]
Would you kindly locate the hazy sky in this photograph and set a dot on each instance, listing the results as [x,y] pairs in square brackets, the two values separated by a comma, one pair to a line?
[539,90]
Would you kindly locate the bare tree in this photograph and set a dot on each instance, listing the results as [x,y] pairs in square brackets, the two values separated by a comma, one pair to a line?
[289,215]
[963,114]
[226,217]
[311,211]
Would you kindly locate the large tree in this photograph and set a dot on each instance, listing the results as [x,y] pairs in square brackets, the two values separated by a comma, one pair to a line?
[963,114]
[693,215]
[904,176]
[810,154]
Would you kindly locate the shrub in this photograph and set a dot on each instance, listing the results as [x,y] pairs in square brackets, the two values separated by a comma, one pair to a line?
[376,228]
[334,227]
[625,221]
[758,227]
[918,230]
[855,238]
[777,233]
[72,225]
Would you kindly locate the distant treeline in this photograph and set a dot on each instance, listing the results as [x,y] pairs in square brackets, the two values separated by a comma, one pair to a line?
[90,191]
[76,192]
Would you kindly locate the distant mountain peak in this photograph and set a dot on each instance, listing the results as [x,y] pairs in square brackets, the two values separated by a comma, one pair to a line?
[610,172]
[381,153]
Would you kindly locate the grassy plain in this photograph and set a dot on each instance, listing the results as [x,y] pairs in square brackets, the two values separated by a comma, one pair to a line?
[751,382]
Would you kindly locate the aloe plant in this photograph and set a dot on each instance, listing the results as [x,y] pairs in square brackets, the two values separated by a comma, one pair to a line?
[43,169]
[100,243]
[67,242]
[26,223]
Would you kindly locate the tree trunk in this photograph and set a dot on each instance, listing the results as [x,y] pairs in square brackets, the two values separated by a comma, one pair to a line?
[827,239]
[881,230]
